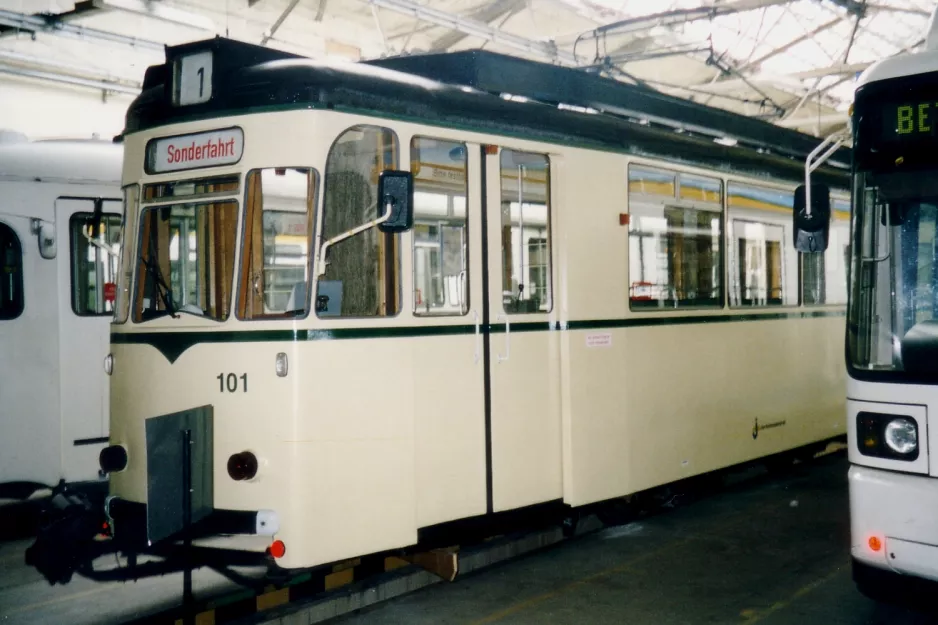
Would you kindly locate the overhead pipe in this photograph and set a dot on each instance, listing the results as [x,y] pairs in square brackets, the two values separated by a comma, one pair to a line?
[32,23]
[99,85]
[42,64]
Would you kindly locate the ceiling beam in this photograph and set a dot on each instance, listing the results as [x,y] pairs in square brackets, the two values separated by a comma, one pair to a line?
[487,14]
[81,9]
[279,22]
[787,81]
[681,16]
[475,28]
[788,46]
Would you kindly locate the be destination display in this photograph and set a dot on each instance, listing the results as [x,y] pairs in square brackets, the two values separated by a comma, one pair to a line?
[205,149]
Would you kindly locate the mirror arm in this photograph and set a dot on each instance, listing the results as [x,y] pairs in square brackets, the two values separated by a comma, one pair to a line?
[350,233]
[814,161]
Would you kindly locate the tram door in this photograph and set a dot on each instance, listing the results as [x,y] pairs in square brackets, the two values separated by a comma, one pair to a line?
[87,273]
[523,369]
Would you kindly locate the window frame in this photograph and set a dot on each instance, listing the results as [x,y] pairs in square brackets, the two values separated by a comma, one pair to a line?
[20,300]
[319,239]
[311,249]
[466,229]
[718,208]
[136,296]
[786,233]
[548,195]
[72,264]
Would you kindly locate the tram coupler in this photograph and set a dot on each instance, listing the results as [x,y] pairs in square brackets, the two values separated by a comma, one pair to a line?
[69,535]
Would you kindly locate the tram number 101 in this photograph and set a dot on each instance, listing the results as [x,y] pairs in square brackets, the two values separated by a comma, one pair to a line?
[231,382]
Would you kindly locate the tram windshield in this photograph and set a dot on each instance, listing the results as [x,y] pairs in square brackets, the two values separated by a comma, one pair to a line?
[186,260]
[894,282]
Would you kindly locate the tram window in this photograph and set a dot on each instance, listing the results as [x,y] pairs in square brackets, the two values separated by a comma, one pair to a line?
[361,277]
[675,232]
[186,260]
[824,276]
[275,269]
[526,266]
[762,270]
[11,274]
[440,227]
[93,267]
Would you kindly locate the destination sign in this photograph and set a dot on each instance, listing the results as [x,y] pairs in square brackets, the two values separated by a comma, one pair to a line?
[908,121]
[205,149]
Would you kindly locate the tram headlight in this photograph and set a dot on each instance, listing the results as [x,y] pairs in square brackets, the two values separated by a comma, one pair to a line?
[113,459]
[242,466]
[902,436]
[109,364]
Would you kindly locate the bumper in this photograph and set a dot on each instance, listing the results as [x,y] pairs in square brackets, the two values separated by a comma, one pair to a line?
[901,512]
[129,522]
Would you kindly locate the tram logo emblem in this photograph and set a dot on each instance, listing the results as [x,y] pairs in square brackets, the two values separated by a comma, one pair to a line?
[756,428]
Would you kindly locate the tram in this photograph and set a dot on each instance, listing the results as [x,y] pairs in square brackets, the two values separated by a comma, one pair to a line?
[502,287]
[58,273]
[891,339]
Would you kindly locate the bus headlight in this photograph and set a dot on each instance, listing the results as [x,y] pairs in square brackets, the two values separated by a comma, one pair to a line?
[901,436]
[887,436]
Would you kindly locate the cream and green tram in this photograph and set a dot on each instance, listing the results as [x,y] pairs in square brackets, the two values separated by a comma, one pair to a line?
[360,303]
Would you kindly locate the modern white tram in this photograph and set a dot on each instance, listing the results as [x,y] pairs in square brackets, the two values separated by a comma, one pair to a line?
[57,283]
[513,288]
[892,324]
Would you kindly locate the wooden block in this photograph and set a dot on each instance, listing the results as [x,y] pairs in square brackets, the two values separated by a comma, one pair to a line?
[205,618]
[441,562]
[339,578]
[393,562]
[273,599]
[348,564]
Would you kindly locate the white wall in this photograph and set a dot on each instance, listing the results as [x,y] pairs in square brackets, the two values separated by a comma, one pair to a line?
[43,110]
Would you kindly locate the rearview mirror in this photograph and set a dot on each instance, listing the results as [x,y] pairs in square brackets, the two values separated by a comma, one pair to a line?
[396,194]
[811,232]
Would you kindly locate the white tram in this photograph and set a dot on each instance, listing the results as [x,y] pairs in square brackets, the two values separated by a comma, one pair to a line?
[56,284]
[892,341]
[361,302]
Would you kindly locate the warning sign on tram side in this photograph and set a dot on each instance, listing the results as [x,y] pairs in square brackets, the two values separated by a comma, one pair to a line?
[599,340]
[205,149]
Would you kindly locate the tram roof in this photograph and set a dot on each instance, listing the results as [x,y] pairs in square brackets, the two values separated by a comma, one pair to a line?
[467,90]
[76,161]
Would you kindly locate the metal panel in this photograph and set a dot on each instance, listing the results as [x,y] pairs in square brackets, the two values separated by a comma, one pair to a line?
[166,470]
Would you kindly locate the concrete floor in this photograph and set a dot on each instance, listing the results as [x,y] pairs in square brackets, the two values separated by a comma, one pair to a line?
[767,550]
[770,551]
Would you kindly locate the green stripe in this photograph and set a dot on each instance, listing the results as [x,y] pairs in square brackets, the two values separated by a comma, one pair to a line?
[172,344]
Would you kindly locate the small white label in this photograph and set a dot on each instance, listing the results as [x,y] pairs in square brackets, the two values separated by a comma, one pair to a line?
[206,149]
[599,340]
[194,78]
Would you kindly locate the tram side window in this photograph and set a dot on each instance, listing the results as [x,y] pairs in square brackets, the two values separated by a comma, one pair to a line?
[526,262]
[824,276]
[763,271]
[11,274]
[275,269]
[675,230]
[440,227]
[361,277]
[93,266]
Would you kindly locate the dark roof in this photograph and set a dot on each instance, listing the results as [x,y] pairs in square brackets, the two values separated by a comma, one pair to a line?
[462,90]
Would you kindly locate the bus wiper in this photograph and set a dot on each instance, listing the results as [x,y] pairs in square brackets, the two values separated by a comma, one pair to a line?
[165,293]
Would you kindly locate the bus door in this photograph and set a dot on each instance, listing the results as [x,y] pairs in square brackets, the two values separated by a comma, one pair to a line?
[87,274]
[523,374]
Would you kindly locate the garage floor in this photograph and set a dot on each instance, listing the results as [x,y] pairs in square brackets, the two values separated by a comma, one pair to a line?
[767,550]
